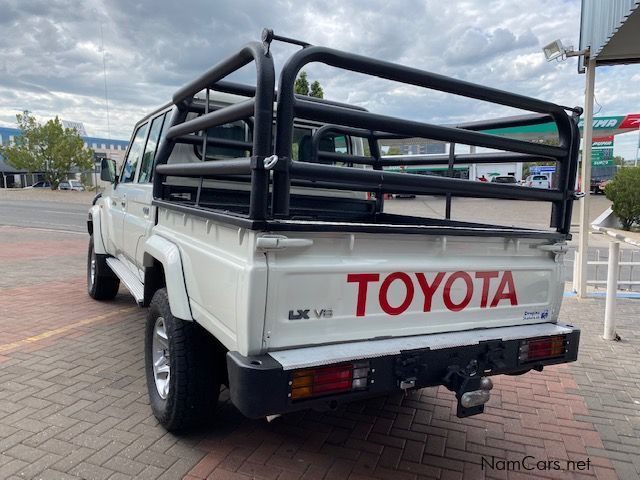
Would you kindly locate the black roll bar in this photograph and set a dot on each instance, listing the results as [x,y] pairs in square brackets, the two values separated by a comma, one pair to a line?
[229,114]
[236,166]
[462,158]
[216,142]
[388,182]
[355,121]
[373,121]
[260,106]
[290,107]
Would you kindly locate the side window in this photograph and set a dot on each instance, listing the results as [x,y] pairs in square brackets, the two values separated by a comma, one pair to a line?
[146,170]
[166,125]
[230,131]
[135,152]
[341,145]
[301,148]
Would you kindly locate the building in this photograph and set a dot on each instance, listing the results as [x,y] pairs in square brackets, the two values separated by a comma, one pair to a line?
[604,131]
[102,148]
[425,149]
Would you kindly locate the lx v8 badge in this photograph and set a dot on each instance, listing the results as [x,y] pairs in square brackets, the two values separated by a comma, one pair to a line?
[306,314]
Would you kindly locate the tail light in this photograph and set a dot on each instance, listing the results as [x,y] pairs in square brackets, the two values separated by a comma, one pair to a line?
[542,348]
[316,382]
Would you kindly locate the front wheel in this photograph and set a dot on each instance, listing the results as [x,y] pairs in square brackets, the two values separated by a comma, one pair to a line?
[102,283]
[182,368]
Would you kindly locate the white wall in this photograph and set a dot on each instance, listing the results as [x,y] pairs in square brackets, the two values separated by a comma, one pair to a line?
[491,169]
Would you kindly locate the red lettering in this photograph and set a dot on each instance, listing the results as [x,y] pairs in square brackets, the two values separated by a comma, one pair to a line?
[486,280]
[382,296]
[362,279]
[506,290]
[427,289]
[446,296]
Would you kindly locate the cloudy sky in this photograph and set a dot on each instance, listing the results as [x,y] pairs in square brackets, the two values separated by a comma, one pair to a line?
[51,60]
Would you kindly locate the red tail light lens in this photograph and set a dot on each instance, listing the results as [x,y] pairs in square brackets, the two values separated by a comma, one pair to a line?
[542,348]
[314,382]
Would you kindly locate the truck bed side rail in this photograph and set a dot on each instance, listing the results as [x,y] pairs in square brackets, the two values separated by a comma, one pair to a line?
[270,192]
[260,108]
[290,107]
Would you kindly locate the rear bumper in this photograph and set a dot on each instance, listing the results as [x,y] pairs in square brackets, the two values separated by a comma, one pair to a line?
[260,385]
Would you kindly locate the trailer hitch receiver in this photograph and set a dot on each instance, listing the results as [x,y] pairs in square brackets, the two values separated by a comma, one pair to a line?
[471,389]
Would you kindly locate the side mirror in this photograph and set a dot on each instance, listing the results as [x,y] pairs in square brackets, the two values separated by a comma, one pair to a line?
[108,170]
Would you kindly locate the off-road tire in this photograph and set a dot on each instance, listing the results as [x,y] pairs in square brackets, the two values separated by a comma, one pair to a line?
[195,370]
[102,283]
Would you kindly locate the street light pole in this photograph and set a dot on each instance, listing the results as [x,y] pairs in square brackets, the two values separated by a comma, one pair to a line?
[585,174]
[637,147]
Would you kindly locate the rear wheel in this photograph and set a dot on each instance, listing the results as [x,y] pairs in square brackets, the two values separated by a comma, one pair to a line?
[102,283]
[182,368]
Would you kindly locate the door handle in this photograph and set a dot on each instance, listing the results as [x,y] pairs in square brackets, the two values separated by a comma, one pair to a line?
[145,210]
[123,203]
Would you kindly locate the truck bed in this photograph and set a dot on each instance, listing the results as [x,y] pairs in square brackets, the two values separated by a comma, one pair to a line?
[291,288]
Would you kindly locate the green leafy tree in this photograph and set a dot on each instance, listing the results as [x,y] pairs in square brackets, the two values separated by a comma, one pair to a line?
[394,151]
[301,87]
[624,191]
[49,148]
[618,160]
[316,90]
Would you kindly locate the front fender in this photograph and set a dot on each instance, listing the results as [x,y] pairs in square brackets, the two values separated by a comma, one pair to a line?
[168,254]
[95,228]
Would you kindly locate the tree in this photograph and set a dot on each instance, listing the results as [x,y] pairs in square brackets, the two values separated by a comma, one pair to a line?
[301,87]
[624,191]
[618,160]
[394,151]
[49,148]
[316,90]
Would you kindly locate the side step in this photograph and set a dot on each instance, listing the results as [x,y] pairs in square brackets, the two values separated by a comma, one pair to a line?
[135,286]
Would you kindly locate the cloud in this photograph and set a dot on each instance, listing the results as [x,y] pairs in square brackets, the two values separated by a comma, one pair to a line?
[475,46]
[51,59]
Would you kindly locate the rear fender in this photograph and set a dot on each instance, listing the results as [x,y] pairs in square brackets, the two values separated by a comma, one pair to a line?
[168,254]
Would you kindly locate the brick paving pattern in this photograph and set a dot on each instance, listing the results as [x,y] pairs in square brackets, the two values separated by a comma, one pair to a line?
[73,400]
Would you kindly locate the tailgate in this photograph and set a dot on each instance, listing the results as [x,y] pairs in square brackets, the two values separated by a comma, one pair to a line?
[337,287]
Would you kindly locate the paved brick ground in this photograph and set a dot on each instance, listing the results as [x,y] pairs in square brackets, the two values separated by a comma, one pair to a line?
[73,400]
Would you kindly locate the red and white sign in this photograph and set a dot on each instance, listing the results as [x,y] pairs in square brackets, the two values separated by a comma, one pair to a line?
[631,121]
[479,287]
[603,142]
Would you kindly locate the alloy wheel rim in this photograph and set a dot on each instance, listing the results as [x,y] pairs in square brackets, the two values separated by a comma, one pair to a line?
[160,357]
[92,270]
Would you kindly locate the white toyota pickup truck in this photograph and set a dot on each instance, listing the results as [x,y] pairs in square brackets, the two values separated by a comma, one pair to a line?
[252,224]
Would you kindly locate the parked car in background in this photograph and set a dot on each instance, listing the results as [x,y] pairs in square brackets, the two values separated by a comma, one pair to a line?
[74,185]
[504,179]
[537,181]
[404,195]
[41,184]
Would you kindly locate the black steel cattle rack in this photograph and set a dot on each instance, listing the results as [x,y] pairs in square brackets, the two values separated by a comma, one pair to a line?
[272,173]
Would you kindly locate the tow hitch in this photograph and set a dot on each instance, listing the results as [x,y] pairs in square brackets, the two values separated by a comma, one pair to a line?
[471,389]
